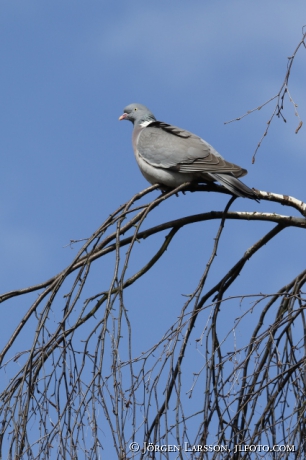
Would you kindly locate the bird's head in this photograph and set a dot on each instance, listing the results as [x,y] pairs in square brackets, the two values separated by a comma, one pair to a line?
[137,114]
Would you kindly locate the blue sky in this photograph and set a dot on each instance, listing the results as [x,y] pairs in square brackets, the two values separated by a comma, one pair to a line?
[67,71]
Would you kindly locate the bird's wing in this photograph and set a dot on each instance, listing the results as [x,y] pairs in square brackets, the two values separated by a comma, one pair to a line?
[169,147]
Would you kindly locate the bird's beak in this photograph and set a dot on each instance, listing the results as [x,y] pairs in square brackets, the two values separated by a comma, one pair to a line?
[123,116]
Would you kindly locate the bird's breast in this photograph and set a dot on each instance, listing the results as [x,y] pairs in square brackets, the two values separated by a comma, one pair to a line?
[161,176]
[136,133]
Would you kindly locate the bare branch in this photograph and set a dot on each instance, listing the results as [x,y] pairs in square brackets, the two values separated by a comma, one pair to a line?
[280,97]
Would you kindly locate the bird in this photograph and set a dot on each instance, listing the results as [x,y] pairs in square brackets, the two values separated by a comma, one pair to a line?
[170,156]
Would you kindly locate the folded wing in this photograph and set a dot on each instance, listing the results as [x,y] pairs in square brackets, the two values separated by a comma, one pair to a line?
[169,147]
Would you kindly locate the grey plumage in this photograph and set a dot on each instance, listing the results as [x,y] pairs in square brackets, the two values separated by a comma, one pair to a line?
[168,155]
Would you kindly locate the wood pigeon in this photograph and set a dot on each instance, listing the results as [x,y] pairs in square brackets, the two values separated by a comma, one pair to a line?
[170,156]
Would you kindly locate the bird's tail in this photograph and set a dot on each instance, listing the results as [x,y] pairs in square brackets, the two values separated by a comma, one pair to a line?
[235,186]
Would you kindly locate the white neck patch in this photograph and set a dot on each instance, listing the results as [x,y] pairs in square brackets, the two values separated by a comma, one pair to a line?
[145,123]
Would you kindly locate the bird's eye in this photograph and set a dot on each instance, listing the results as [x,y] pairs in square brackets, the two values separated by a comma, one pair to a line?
[135,108]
